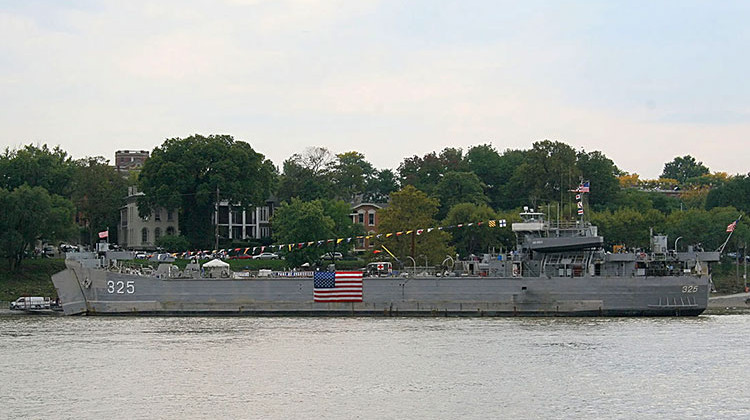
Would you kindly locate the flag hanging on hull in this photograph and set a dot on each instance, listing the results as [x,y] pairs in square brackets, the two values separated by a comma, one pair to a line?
[339,286]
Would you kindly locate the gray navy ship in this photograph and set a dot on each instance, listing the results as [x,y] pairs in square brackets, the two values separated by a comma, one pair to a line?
[557,269]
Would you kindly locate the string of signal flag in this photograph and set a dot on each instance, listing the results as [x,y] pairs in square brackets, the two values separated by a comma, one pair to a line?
[300,245]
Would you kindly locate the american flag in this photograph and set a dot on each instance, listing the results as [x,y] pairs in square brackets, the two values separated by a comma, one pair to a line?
[341,286]
[732,225]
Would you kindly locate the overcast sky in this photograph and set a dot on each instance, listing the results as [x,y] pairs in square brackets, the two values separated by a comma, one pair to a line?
[641,81]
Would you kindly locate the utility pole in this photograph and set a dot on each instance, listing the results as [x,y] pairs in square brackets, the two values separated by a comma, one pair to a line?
[744,276]
[216,220]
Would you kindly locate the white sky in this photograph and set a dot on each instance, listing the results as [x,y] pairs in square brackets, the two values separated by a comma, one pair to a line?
[642,81]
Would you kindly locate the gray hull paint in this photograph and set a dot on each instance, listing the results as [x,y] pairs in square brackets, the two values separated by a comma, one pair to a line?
[100,292]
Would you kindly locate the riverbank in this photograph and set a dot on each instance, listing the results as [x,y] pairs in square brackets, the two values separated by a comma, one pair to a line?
[738,302]
[33,278]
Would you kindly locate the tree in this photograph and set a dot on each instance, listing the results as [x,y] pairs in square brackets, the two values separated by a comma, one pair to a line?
[424,173]
[187,174]
[351,174]
[602,174]
[173,243]
[307,176]
[548,171]
[31,214]
[51,169]
[300,221]
[381,186]
[510,193]
[459,187]
[98,192]
[627,226]
[410,210]
[476,239]
[485,162]
[735,192]
[684,168]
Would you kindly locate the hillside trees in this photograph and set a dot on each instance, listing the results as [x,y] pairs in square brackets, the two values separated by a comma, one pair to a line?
[186,174]
[735,192]
[307,176]
[300,221]
[411,209]
[31,214]
[98,192]
[476,239]
[38,166]
[684,168]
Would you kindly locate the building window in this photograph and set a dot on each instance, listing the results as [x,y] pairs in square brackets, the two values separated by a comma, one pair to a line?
[371,218]
[361,218]
[236,217]
[170,216]
[224,215]
[157,216]
[264,214]
[157,234]
[144,236]
[265,232]
[124,217]
[237,232]
[170,231]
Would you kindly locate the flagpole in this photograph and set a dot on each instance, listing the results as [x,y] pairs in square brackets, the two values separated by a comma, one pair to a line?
[721,248]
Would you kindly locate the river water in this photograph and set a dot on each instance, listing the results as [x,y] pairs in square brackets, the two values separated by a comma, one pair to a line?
[392,368]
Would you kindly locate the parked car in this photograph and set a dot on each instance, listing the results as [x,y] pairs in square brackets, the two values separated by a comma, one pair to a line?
[30,302]
[241,257]
[266,256]
[332,255]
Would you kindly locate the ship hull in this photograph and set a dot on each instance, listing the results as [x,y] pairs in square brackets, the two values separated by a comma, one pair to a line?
[100,292]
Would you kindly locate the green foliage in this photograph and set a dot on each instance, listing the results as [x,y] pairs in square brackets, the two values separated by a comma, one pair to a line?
[351,174]
[476,239]
[381,186]
[310,221]
[459,187]
[684,168]
[547,173]
[30,215]
[627,226]
[411,209]
[173,243]
[98,192]
[307,176]
[424,173]
[33,278]
[705,227]
[602,175]
[51,169]
[735,192]
[186,174]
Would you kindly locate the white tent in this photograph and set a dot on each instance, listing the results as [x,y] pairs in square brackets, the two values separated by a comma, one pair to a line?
[216,269]
[216,263]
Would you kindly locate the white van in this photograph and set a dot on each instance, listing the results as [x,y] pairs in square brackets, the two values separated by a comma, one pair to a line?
[31,302]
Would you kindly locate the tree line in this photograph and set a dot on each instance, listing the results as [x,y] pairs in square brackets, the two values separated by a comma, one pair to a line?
[49,196]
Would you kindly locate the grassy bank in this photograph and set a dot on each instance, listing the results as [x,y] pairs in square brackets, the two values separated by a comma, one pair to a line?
[32,279]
